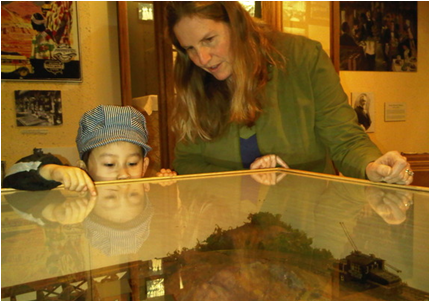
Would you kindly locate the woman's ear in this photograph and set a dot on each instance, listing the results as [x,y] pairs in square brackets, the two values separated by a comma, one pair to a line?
[145,165]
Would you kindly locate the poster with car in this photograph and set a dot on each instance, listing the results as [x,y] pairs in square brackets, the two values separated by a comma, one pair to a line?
[39,41]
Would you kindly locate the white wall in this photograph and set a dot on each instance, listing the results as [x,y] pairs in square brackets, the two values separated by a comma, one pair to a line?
[101,84]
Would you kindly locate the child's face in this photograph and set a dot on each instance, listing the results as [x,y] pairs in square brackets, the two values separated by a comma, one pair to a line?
[120,204]
[118,160]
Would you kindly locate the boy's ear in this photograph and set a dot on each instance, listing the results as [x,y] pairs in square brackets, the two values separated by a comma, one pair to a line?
[145,165]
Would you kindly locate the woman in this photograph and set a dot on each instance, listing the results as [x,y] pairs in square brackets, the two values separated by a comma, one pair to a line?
[251,97]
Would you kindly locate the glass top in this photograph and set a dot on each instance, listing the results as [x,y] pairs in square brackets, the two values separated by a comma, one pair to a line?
[271,234]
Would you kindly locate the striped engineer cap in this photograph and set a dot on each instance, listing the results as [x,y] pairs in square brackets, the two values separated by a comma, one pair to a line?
[106,124]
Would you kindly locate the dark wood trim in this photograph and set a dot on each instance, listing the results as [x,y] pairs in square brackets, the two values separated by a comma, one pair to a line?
[335,34]
[165,81]
[124,53]
[165,85]
[271,13]
[420,165]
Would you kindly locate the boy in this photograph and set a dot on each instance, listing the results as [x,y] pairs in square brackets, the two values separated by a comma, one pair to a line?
[112,144]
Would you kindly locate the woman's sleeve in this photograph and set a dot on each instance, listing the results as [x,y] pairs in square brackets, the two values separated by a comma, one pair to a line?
[336,122]
[24,174]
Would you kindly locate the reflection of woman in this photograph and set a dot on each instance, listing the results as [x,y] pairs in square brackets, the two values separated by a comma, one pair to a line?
[361,108]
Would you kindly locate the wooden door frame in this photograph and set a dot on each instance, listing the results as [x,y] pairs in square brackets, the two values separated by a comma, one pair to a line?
[165,75]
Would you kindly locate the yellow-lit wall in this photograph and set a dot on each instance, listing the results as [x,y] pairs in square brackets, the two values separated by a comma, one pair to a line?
[101,84]
[411,135]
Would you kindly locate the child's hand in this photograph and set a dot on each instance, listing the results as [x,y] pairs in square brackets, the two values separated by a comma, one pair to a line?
[73,178]
[71,211]
[166,172]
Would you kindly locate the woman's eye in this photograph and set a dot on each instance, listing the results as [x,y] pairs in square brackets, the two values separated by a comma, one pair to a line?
[190,50]
[132,164]
[108,165]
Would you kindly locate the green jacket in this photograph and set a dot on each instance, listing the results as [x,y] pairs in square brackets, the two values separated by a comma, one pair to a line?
[307,121]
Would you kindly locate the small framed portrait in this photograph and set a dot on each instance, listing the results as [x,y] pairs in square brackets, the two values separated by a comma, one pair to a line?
[363,104]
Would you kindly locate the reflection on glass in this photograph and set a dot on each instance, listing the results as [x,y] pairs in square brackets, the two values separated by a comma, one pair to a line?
[259,235]
[155,288]
[120,221]
[145,11]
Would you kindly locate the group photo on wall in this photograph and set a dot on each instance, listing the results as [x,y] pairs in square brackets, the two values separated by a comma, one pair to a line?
[378,36]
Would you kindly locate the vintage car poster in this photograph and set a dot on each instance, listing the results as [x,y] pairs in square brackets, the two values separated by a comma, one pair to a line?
[39,41]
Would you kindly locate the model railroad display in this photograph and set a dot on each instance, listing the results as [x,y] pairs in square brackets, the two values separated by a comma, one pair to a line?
[266,259]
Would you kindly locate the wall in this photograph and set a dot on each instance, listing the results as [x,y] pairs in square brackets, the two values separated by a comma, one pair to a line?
[101,84]
[411,135]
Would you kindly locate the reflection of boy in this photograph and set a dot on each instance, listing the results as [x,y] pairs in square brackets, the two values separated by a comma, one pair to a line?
[120,221]
[116,222]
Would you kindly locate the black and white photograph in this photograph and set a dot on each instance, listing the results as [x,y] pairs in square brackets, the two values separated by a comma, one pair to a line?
[378,36]
[363,104]
[38,108]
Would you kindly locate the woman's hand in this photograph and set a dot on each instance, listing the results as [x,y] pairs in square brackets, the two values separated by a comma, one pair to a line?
[73,178]
[391,167]
[268,161]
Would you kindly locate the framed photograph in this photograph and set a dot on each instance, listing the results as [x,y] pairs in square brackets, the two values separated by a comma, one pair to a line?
[364,106]
[38,108]
[40,41]
[375,35]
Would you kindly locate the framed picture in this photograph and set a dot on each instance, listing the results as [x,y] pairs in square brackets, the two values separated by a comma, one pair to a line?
[364,106]
[40,41]
[375,35]
[38,108]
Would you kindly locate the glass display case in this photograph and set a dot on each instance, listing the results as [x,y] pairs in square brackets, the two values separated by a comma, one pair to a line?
[271,234]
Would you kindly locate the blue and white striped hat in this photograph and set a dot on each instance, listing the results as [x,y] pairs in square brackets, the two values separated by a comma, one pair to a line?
[106,124]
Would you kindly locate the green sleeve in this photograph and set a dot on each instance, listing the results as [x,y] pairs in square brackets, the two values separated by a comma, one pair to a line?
[336,122]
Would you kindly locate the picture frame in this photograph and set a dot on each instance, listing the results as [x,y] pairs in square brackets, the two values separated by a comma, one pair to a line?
[364,106]
[375,36]
[40,41]
[36,108]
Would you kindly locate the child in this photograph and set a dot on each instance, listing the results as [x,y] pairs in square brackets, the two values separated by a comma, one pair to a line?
[112,144]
